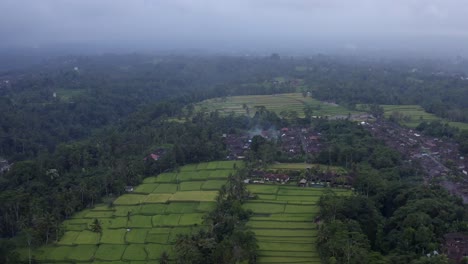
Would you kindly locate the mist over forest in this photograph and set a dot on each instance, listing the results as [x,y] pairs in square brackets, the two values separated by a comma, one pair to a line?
[227,132]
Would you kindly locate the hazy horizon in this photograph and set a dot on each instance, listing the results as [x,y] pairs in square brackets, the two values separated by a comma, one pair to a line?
[431,27]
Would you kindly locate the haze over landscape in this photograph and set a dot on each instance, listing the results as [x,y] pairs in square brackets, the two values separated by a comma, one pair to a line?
[432,27]
[234,132]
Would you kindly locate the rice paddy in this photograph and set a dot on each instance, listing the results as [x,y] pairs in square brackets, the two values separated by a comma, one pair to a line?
[283,222]
[276,103]
[143,224]
[415,114]
[303,166]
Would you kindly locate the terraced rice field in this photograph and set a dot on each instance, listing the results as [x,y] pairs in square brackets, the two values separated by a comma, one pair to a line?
[277,103]
[303,166]
[283,222]
[142,224]
[417,115]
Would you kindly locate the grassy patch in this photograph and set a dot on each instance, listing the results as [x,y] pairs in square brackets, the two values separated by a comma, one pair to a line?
[205,196]
[166,220]
[136,235]
[219,174]
[229,164]
[123,210]
[160,230]
[87,237]
[58,253]
[167,177]
[282,224]
[263,188]
[202,166]
[309,199]
[102,207]
[82,253]
[75,224]
[166,188]
[99,214]
[117,222]
[191,176]
[285,217]
[113,236]
[191,186]
[264,207]
[153,209]
[182,207]
[273,246]
[189,167]
[299,209]
[135,252]
[285,232]
[146,188]
[68,238]
[213,184]
[212,165]
[157,238]
[130,199]
[271,197]
[191,219]
[110,252]
[205,206]
[301,192]
[140,221]
[158,198]
[151,179]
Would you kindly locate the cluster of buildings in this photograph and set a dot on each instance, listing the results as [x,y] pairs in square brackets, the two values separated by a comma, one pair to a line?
[293,141]
[299,141]
[437,157]
[268,177]
[456,246]
[4,165]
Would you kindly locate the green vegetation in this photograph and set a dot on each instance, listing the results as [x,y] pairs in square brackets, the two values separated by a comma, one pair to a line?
[226,238]
[285,230]
[413,115]
[303,166]
[392,218]
[76,154]
[136,221]
[281,104]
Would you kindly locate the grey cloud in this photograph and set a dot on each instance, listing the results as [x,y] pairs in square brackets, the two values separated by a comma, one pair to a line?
[244,24]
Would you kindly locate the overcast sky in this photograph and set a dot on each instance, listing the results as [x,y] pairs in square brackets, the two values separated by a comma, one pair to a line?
[439,25]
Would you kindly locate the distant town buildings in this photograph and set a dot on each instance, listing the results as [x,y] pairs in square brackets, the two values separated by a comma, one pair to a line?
[456,246]
[4,165]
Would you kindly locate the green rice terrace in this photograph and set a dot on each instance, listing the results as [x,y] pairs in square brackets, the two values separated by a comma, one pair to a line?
[283,222]
[277,103]
[413,115]
[303,166]
[143,224]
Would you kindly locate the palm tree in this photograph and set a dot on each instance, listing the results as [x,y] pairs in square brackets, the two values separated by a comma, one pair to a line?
[164,259]
[96,226]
